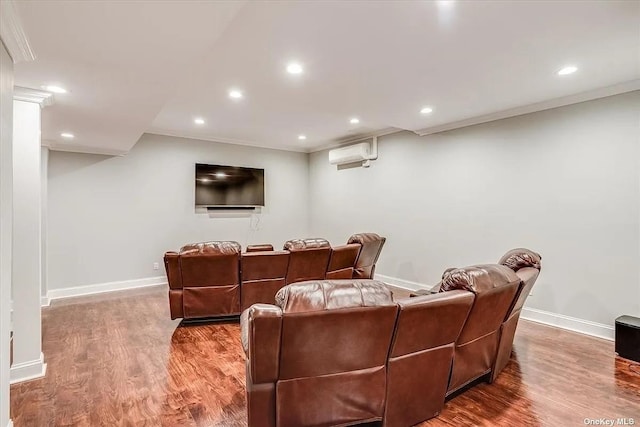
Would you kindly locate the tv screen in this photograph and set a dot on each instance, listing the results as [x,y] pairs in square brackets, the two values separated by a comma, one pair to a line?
[230,186]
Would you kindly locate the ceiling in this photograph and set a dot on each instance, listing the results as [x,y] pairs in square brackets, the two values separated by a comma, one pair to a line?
[135,67]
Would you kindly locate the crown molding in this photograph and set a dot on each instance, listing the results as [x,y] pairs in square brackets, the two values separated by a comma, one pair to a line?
[355,138]
[36,96]
[12,33]
[81,149]
[617,89]
[222,140]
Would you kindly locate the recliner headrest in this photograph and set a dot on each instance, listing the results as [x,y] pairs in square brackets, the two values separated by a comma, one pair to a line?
[519,258]
[301,244]
[478,278]
[224,247]
[319,295]
[363,238]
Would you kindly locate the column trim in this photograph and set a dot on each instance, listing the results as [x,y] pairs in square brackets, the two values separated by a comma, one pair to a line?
[27,371]
[26,94]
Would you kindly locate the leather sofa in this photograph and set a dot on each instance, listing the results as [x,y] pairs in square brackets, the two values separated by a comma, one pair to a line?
[313,358]
[256,275]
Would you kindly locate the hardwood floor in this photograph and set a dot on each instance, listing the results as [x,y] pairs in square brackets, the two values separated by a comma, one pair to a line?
[118,360]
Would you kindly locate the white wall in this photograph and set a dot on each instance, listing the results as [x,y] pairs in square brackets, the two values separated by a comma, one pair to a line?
[111,218]
[6,213]
[564,182]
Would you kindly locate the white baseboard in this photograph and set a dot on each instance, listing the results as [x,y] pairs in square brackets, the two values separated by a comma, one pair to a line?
[10,424]
[401,283]
[26,371]
[99,288]
[44,301]
[569,323]
[573,324]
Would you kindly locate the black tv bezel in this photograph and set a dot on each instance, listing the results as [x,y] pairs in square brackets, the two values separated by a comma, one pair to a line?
[227,207]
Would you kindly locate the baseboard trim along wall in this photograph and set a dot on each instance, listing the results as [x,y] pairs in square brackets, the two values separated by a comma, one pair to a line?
[99,288]
[10,424]
[27,371]
[569,323]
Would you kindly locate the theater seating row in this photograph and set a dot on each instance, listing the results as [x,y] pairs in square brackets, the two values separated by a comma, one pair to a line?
[343,352]
[213,279]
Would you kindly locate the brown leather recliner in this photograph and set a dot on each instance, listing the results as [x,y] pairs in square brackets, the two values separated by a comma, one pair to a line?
[263,274]
[342,261]
[422,354]
[495,287]
[371,246]
[204,280]
[526,264]
[308,259]
[319,357]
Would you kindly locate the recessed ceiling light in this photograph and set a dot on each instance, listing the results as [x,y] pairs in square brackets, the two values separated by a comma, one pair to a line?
[198,121]
[354,121]
[294,68]
[426,110]
[54,89]
[569,69]
[302,137]
[235,94]
[67,135]
[221,175]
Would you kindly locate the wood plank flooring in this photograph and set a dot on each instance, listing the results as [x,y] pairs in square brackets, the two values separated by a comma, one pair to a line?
[118,360]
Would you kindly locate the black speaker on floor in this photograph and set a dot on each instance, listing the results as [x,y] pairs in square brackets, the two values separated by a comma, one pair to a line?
[628,337]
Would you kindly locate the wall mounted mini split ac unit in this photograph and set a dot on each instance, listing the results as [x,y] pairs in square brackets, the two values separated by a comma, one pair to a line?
[362,152]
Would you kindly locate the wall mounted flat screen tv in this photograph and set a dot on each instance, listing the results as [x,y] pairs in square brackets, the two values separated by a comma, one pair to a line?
[229,186]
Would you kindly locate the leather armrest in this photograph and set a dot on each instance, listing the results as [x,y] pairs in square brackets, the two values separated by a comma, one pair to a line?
[261,326]
[172,267]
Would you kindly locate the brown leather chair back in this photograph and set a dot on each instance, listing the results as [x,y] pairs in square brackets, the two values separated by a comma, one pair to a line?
[371,247]
[263,274]
[342,261]
[331,365]
[209,279]
[308,259]
[422,354]
[495,287]
[527,265]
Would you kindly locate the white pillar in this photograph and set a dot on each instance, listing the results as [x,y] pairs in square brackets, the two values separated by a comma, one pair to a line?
[28,360]
[14,47]
[6,212]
